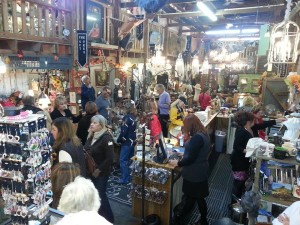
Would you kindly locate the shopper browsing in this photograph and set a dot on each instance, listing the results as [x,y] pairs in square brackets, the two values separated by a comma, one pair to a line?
[84,122]
[62,174]
[177,112]
[163,107]
[101,147]
[103,102]
[127,139]
[80,202]
[240,164]
[67,146]
[204,98]
[61,110]
[87,91]
[195,158]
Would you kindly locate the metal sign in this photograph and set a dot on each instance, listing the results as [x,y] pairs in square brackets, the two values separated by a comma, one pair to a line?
[82,47]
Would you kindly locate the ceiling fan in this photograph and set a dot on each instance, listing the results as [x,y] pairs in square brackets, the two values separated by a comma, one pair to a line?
[238,2]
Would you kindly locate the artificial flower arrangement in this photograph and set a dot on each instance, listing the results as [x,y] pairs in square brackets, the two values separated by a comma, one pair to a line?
[293,81]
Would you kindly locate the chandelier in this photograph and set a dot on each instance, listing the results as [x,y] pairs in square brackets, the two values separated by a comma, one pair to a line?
[284,40]
[159,62]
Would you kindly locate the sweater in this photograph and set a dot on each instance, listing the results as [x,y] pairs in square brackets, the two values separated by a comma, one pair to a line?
[204,100]
[102,152]
[195,158]
[238,160]
[128,134]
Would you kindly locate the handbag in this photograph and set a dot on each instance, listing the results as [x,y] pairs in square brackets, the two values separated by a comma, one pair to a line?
[90,163]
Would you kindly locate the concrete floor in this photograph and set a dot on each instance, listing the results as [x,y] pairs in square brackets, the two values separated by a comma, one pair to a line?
[123,215]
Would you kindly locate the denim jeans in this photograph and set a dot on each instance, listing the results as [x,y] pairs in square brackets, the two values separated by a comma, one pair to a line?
[125,155]
[105,209]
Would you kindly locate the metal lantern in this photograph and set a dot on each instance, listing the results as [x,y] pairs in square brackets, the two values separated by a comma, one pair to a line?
[284,43]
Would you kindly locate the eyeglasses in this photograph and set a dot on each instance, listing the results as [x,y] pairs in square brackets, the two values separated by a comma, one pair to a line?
[108,92]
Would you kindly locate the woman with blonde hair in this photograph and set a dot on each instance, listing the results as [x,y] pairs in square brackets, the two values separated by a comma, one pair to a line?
[61,110]
[67,146]
[100,145]
[62,174]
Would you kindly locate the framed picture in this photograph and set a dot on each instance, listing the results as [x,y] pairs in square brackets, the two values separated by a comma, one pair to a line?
[101,78]
[94,21]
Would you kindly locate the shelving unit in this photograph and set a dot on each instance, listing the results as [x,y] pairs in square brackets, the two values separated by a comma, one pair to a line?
[269,198]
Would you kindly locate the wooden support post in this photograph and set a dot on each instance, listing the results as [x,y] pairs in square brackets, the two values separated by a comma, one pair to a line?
[53,23]
[14,17]
[59,24]
[32,16]
[40,17]
[23,14]
[47,20]
[116,14]
[166,39]
[5,14]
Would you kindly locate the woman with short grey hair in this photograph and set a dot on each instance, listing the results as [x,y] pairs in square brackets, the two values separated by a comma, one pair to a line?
[100,145]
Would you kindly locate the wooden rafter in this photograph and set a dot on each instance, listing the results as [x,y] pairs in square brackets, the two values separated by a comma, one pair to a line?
[226,11]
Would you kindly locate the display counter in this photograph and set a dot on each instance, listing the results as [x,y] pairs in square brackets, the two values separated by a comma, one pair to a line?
[170,193]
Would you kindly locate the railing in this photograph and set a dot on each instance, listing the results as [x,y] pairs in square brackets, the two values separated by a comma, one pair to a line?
[37,20]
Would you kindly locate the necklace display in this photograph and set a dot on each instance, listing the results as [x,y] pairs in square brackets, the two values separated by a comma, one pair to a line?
[25,168]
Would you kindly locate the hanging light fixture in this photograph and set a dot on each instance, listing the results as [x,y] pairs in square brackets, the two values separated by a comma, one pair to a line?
[2,66]
[284,40]
[179,66]
[195,66]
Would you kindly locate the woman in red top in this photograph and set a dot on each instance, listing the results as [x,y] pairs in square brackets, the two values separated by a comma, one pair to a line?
[204,98]
[154,124]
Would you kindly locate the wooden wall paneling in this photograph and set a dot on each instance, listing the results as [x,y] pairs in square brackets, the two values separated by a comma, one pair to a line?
[41,32]
[14,16]
[47,22]
[5,14]
[23,15]
[32,16]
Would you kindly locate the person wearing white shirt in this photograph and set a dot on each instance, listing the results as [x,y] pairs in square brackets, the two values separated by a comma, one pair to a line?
[290,216]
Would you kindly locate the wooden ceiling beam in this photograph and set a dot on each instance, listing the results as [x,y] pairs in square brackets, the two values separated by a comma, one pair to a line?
[222,12]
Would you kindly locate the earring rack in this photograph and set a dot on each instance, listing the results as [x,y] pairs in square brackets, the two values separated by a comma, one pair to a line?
[25,168]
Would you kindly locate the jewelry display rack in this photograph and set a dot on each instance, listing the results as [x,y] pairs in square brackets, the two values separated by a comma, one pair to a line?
[25,168]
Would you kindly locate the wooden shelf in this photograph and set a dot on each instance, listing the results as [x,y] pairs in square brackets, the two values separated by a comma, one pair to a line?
[279,201]
[290,160]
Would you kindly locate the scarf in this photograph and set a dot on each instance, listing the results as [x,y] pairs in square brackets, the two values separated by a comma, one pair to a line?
[97,135]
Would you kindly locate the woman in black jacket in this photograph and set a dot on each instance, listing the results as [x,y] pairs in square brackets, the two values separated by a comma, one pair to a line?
[61,110]
[100,145]
[84,123]
[240,164]
[194,168]
[67,146]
